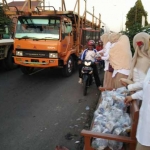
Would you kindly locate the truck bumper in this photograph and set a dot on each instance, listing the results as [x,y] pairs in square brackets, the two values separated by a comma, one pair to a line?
[36,62]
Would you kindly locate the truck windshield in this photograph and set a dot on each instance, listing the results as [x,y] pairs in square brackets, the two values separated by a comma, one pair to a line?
[37,28]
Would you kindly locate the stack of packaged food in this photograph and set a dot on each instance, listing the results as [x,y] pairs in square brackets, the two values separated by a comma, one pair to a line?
[111,117]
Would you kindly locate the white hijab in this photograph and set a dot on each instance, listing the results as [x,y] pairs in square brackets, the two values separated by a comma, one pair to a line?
[141,58]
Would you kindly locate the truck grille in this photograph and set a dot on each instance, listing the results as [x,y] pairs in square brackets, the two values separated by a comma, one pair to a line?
[35,53]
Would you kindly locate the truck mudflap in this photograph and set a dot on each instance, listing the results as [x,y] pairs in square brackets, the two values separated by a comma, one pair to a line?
[36,62]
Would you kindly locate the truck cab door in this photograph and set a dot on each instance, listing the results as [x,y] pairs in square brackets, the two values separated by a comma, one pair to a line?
[66,38]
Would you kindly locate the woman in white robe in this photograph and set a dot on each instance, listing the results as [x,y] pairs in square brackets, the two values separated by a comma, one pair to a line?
[143,129]
[140,62]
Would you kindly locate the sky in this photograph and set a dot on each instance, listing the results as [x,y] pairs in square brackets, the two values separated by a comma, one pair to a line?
[113,12]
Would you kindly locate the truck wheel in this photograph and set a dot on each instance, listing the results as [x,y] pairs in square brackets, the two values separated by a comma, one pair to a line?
[9,61]
[68,68]
[27,70]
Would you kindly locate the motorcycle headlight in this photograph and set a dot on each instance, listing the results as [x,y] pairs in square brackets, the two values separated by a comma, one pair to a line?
[87,63]
[53,55]
[19,53]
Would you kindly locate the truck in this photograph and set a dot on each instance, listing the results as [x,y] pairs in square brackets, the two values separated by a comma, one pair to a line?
[6,42]
[50,38]
[6,54]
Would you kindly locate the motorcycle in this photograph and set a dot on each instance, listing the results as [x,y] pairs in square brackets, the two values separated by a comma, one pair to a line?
[87,72]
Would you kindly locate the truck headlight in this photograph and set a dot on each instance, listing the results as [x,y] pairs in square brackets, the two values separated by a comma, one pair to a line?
[19,53]
[53,55]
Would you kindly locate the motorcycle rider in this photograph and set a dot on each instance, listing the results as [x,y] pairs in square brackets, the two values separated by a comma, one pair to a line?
[89,54]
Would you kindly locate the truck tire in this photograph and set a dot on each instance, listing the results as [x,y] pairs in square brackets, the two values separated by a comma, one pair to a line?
[26,70]
[8,62]
[67,69]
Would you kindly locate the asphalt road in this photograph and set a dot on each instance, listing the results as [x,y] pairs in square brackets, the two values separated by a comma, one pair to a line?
[42,110]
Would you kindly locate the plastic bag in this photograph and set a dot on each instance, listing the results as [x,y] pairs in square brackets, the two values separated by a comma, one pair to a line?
[118,97]
[97,128]
[110,126]
[102,107]
[115,145]
[99,143]
[120,105]
[125,120]
[109,100]
[107,93]
[122,90]
[100,120]
[116,113]
[110,117]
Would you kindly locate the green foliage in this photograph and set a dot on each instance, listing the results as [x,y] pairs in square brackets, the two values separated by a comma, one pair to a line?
[132,31]
[134,20]
[135,14]
[5,21]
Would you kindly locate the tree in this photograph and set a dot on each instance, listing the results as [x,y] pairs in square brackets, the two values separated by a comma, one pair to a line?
[132,31]
[5,21]
[135,14]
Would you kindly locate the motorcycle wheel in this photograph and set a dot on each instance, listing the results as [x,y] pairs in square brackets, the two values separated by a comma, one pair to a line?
[84,87]
[90,80]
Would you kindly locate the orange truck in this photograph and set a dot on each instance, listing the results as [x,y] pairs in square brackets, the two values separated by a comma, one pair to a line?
[51,38]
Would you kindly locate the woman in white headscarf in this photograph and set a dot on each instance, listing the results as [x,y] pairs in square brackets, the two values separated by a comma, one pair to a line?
[104,38]
[120,57]
[143,129]
[140,61]
[140,75]
[104,53]
[140,79]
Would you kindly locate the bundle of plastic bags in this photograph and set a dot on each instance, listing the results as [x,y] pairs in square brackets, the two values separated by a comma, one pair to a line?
[111,117]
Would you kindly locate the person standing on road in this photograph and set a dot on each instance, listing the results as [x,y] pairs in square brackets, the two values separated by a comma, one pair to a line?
[140,62]
[104,53]
[143,129]
[120,58]
[89,54]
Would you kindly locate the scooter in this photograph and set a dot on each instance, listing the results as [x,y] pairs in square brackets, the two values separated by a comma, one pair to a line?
[87,72]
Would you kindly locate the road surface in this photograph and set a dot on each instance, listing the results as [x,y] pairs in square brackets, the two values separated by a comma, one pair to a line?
[42,110]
